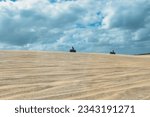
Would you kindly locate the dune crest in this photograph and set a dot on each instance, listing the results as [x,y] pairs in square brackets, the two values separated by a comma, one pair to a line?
[44,75]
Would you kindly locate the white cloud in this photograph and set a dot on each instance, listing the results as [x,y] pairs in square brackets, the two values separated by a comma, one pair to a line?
[89,25]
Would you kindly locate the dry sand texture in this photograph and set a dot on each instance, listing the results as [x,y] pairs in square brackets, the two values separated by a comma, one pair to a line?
[43,75]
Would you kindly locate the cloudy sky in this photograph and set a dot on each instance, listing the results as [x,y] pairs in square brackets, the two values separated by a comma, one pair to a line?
[88,25]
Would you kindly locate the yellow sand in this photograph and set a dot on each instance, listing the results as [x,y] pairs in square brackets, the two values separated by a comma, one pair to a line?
[49,75]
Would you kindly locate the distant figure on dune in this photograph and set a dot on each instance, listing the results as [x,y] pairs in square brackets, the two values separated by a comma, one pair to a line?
[112,52]
[72,49]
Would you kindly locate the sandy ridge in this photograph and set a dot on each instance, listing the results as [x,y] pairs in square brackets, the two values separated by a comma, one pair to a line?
[51,75]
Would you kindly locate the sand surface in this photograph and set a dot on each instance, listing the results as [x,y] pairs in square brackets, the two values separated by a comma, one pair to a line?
[48,75]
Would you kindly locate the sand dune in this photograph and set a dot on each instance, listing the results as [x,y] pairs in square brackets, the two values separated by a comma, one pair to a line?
[44,75]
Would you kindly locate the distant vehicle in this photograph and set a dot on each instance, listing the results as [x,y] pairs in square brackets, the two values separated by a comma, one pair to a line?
[72,49]
[112,52]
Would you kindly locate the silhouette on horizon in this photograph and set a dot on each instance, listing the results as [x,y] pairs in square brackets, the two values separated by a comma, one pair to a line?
[112,52]
[72,49]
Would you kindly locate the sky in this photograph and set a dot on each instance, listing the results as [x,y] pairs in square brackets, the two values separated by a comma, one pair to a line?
[96,26]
